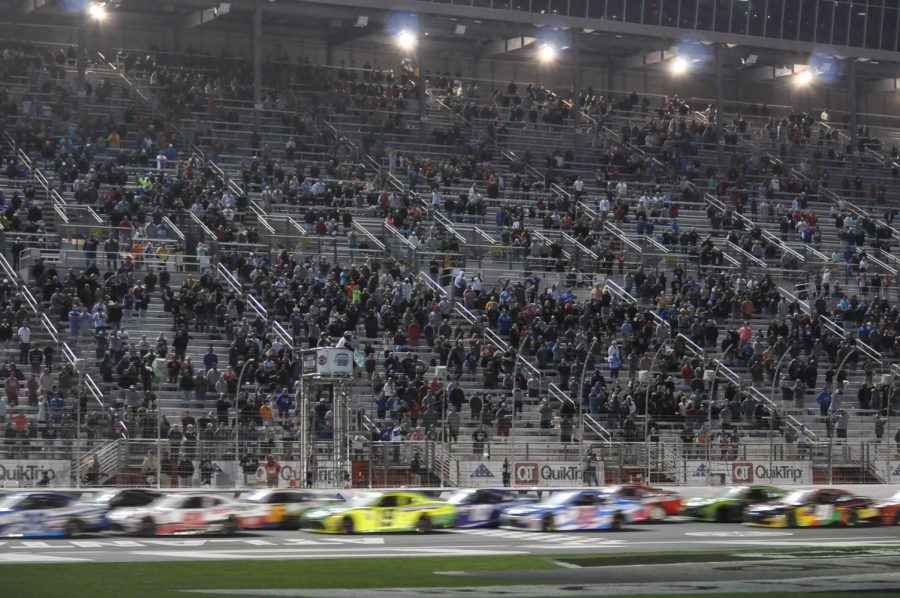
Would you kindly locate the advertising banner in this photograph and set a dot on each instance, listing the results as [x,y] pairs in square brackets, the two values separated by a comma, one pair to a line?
[30,473]
[747,472]
[543,474]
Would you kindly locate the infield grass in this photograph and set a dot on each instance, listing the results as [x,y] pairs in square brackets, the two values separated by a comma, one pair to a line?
[165,578]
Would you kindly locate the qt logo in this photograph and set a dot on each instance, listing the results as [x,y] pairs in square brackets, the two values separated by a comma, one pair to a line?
[742,472]
[526,473]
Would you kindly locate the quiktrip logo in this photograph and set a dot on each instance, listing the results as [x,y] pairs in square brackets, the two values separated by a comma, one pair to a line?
[482,471]
[742,472]
[896,471]
[526,473]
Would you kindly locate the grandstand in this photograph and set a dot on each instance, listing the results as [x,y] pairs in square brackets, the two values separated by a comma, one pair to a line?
[546,230]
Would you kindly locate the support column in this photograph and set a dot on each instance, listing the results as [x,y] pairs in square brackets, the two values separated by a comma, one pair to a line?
[257,64]
[853,114]
[422,95]
[720,112]
[82,47]
[576,91]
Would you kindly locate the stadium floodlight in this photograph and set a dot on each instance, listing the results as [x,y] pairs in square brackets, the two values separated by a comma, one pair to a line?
[97,11]
[406,40]
[804,78]
[679,66]
[547,53]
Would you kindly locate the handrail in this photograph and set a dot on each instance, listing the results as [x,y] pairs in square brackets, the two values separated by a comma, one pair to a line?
[579,246]
[302,230]
[94,389]
[258,307]
[368,235]
[746,254]
[617,232]
[484,235]
[589,421]
[730,374]
[434,286]
[69,354]
[467,315]
[202,225]
[773,410]
[393,230]
[890,269]
[229,278]
[50,328]
[168,222]
[448,226]
[282,333]
[692,346]
[620,292]
[261,217]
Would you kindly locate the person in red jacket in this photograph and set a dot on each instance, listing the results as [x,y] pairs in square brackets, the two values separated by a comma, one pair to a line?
[272,468]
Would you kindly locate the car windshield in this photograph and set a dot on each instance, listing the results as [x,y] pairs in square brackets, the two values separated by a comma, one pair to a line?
[8,502]
[101,498]
[367,499]
[798,497]
[733,492]
[461,498]
[169,502]
[258,496]
[560,498]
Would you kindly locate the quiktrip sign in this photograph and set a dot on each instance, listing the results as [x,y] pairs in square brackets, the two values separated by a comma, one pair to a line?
[28,474]
[559,474]
[748,472]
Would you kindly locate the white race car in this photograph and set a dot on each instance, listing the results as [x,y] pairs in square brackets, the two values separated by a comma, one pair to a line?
[48,514]
[180,514]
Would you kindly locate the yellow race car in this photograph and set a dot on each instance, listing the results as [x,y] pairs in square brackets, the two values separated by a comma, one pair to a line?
[380,512]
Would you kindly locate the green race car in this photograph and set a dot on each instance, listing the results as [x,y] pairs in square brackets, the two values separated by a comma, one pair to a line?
[729,506]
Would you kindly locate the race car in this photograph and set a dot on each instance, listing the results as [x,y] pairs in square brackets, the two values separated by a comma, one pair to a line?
[729,505]
[889,510]
[813,508]
[380,512]
[659,503]
[574,510]
[48,514]
[481,507]
[279,508]
[180,514]
[122,499]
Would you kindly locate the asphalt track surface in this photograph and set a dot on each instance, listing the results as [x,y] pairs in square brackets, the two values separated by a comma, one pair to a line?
[675,536]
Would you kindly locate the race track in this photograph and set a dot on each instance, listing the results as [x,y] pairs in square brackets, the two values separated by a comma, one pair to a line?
[663,537]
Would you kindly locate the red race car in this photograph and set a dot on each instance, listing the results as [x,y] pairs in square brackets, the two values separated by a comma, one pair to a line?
[658,503]
[890,510]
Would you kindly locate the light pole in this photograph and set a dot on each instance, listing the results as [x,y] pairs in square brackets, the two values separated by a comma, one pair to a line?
[662,346]
[237,417]
[709,410]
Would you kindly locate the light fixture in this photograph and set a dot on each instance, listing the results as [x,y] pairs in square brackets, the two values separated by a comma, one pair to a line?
[804,78]
[406,40]
[97,11]
[547,53]
[679,66]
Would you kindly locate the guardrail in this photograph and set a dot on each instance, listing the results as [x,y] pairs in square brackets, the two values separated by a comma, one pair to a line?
[232,281]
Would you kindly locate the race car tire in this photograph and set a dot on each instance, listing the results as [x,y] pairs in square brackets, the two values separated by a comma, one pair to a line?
[790,520]
[657,514]
[347,526]
[230,527]
[424,525]
[147,528]
[897,517]
[618,521]
[548,523]
[74,528]
[852,518]
[722,515]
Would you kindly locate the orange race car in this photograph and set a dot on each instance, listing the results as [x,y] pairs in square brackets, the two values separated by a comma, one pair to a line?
[889,510]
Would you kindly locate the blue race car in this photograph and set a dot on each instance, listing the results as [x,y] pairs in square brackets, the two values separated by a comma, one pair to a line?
[40,514]
[574,510]
[481,507]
